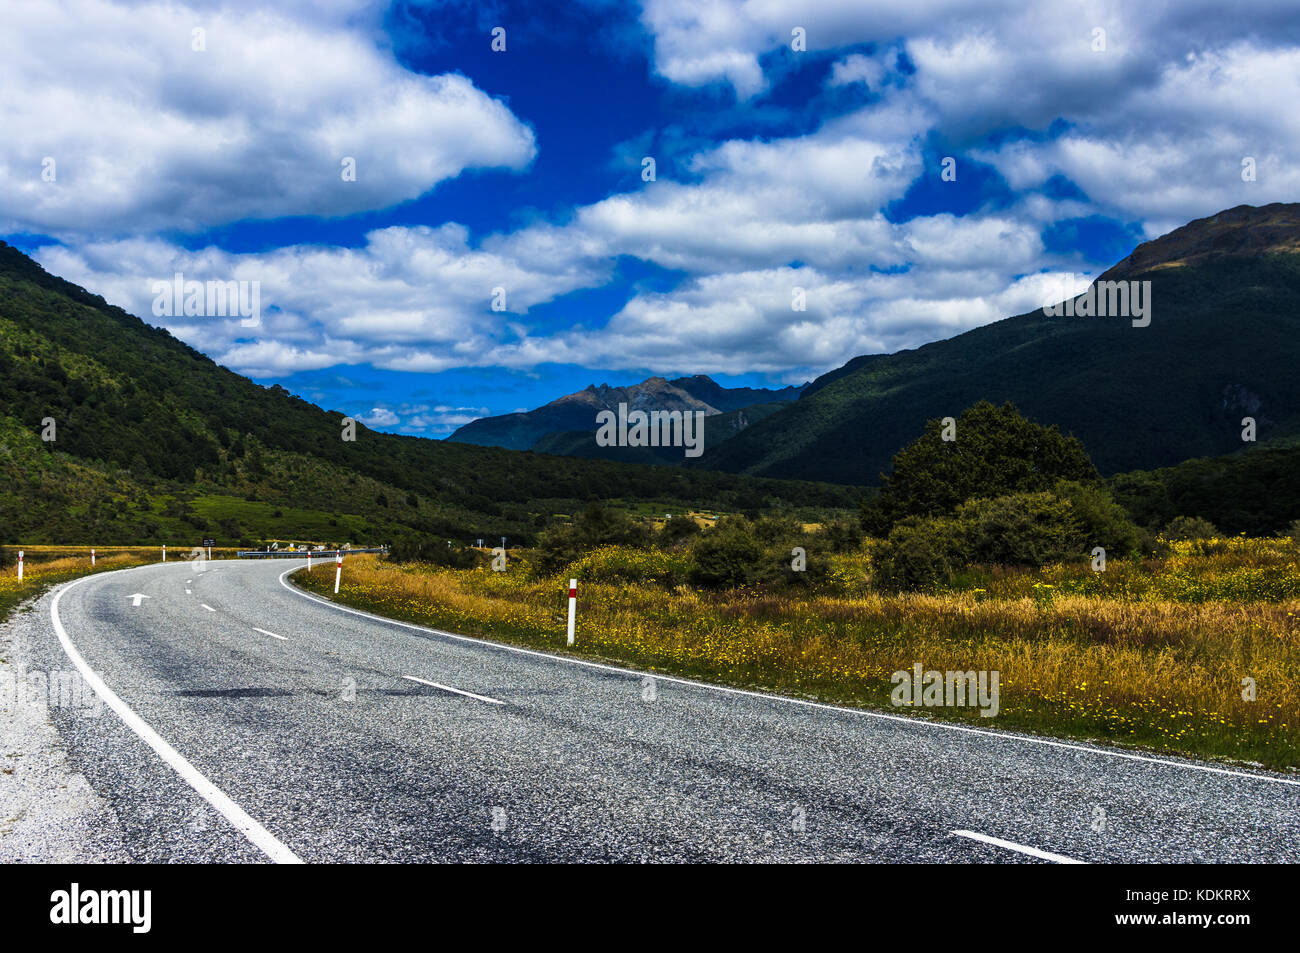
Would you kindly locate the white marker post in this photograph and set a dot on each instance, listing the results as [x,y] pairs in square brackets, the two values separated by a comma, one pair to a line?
[338,570]
[309,560]
[573,604]
[20,565]
[92,555]
[164,552]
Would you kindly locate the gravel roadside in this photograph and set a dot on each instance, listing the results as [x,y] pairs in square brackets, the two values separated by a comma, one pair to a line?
[48,811]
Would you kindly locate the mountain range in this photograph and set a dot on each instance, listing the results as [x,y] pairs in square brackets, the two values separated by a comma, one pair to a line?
[574,415]
[156,441]
[1223,344]
[112,429]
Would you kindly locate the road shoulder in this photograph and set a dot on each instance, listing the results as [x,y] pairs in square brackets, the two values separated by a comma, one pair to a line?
[48,811]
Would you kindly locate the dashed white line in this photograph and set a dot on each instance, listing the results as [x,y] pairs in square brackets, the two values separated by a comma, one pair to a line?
[189,592]
[1019,848]
[271,634]
[448,688]
[208,607]
[255,832]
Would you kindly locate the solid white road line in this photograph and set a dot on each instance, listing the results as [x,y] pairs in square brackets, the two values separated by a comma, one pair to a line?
[860,712]
[448,688]
[189,592]
[271,634]
[208,607]
[263,839]
[1019,848]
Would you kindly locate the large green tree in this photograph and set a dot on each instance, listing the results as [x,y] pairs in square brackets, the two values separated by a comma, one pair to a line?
[993,451]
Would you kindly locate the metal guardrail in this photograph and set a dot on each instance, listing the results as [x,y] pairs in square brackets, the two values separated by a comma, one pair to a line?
[299,554]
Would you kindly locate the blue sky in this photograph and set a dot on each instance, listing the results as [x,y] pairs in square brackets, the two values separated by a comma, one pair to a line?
[795,146]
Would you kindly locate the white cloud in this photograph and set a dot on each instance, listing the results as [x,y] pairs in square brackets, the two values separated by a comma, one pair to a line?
[378,417]
[415,298]
[147,134]
[857,68]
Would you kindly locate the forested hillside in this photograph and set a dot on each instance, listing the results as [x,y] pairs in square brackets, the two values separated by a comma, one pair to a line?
[142,422]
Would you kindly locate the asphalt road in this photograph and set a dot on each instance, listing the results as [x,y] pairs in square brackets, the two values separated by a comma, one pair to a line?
[255,723]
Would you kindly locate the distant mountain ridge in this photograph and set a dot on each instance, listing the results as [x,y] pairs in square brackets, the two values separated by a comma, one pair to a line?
[1223,344]
[577,412]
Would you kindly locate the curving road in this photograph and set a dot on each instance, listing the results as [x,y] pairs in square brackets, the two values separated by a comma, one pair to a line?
[254,722]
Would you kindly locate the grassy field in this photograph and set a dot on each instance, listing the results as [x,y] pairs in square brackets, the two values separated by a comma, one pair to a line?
[1151,653]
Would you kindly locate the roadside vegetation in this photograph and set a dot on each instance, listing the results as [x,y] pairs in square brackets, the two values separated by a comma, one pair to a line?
[1180,640]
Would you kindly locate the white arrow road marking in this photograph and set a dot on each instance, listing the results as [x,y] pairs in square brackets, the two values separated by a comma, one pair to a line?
[208,607]
[448,688]
[136,597]
[1019,848]
[255,832]
[271,634]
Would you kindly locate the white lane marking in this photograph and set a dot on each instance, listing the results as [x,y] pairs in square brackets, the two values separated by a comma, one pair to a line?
[189,592]
[271,634]
[861,712]
[263,839]
[1019,848]
[208,607]
[188,581]
[448,688]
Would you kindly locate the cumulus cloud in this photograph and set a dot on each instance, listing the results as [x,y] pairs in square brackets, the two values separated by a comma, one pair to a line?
[142,132]
[412,298]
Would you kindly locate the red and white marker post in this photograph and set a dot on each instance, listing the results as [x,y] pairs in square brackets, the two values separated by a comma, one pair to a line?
[309,560]
[20,565]
[573,606]
[338,570]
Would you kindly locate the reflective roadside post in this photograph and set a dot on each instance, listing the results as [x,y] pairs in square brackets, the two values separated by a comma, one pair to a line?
[573,603]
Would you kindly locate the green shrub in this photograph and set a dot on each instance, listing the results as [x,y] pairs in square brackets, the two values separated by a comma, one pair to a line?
[677,529]
[1182,528]
[842,536]
[595,526]
[619,564]
[995,452]
[776,530]
[1102,521]
[727,556]
[920,554]
[433,551]
[1020,529]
